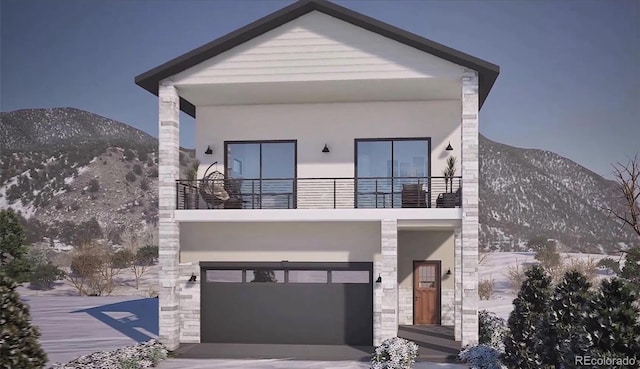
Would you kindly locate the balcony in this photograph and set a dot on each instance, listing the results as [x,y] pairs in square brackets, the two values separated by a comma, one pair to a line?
[319,193]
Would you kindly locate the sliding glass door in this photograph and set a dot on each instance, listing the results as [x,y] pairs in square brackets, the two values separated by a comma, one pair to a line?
[263,172]
[385,168]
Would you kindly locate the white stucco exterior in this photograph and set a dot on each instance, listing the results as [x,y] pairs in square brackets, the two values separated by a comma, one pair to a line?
[337,125]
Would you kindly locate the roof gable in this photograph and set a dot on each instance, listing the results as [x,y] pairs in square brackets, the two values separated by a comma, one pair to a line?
[317,47]
[150,80]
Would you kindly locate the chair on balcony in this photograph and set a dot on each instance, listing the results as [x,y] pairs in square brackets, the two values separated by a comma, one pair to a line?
[414,196]
[212,189]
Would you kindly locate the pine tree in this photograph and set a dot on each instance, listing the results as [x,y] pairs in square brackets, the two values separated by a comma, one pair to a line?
[614,323]
[13,249]
[524,343]
[19,346]
[569,310]
[631,269]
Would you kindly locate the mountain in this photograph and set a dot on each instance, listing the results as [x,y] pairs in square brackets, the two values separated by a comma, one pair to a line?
[62,167]
[527,193]
[34,128]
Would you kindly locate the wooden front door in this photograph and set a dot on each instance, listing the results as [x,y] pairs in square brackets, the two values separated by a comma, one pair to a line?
[426,292]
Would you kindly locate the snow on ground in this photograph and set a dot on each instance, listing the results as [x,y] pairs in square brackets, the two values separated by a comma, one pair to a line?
[495,265]
[125,286]
[74,326]
[25,210]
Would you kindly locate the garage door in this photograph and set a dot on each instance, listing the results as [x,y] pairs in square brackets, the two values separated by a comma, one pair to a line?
[287,303]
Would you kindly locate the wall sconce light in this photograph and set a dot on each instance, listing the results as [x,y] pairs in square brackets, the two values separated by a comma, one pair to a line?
[208,151]
[326,148]
[449,147]
[449,271]
[193,277]
[379,280]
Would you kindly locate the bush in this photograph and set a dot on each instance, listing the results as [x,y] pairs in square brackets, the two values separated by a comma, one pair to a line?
[129,363]
[137,169]
[147,254]
[144,185]
[19,346]
[515,275]
[131,177]
[94,185]
[586,267]
[143,355]
[122,259]
[394,353]
[128,155]
[481,357]
[548,256]
[491,330]
[485,288]
[153,172]
[44,275]
[87,231]
[143,155]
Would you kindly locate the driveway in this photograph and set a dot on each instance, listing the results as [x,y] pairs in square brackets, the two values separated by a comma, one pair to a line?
[282,364]
[72,326]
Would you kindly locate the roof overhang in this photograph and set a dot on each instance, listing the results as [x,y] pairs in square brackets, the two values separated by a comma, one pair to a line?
[150,80]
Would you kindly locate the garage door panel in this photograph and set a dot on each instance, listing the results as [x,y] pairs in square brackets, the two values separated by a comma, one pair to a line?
[287,313]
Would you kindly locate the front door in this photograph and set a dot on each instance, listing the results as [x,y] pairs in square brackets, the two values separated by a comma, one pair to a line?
[426,292]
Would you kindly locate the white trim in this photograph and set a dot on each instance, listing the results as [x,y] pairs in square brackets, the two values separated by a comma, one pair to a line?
[407,218]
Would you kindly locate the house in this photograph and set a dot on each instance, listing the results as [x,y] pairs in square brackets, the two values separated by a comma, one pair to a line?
[324,217]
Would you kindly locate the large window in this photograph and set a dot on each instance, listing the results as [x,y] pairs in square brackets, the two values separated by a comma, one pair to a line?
[262,173]
[387,167]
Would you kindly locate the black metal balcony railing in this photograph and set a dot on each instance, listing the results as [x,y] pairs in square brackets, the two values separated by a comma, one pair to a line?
[319,193]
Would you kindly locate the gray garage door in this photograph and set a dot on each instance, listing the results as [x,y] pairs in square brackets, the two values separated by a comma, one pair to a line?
[287,303]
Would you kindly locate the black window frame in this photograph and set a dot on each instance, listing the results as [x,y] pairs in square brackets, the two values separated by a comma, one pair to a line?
[329,267]
[388,139]
[260,142]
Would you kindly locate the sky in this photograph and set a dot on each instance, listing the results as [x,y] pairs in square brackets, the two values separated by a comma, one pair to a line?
[569,80]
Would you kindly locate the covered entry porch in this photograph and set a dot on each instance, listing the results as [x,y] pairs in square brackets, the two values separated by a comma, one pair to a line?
[433,282]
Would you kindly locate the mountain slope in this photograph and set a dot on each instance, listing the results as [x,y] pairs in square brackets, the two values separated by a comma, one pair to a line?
[526,193]
[34,128]
[68,166]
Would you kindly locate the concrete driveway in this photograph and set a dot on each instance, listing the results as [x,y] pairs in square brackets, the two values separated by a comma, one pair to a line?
[72,326]
[283,364]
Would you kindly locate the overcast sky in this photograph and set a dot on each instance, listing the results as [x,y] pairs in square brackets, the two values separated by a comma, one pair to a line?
[569,81]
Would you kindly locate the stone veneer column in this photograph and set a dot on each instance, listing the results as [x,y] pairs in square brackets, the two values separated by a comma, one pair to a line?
[189,293]
[470,172]
[168,228]
[377,304]
[389,274]
[457,281]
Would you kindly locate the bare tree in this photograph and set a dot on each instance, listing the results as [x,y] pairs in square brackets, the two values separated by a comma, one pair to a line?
[94,268]
[84,265]
[142,251]
[628,214]
[628,178]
